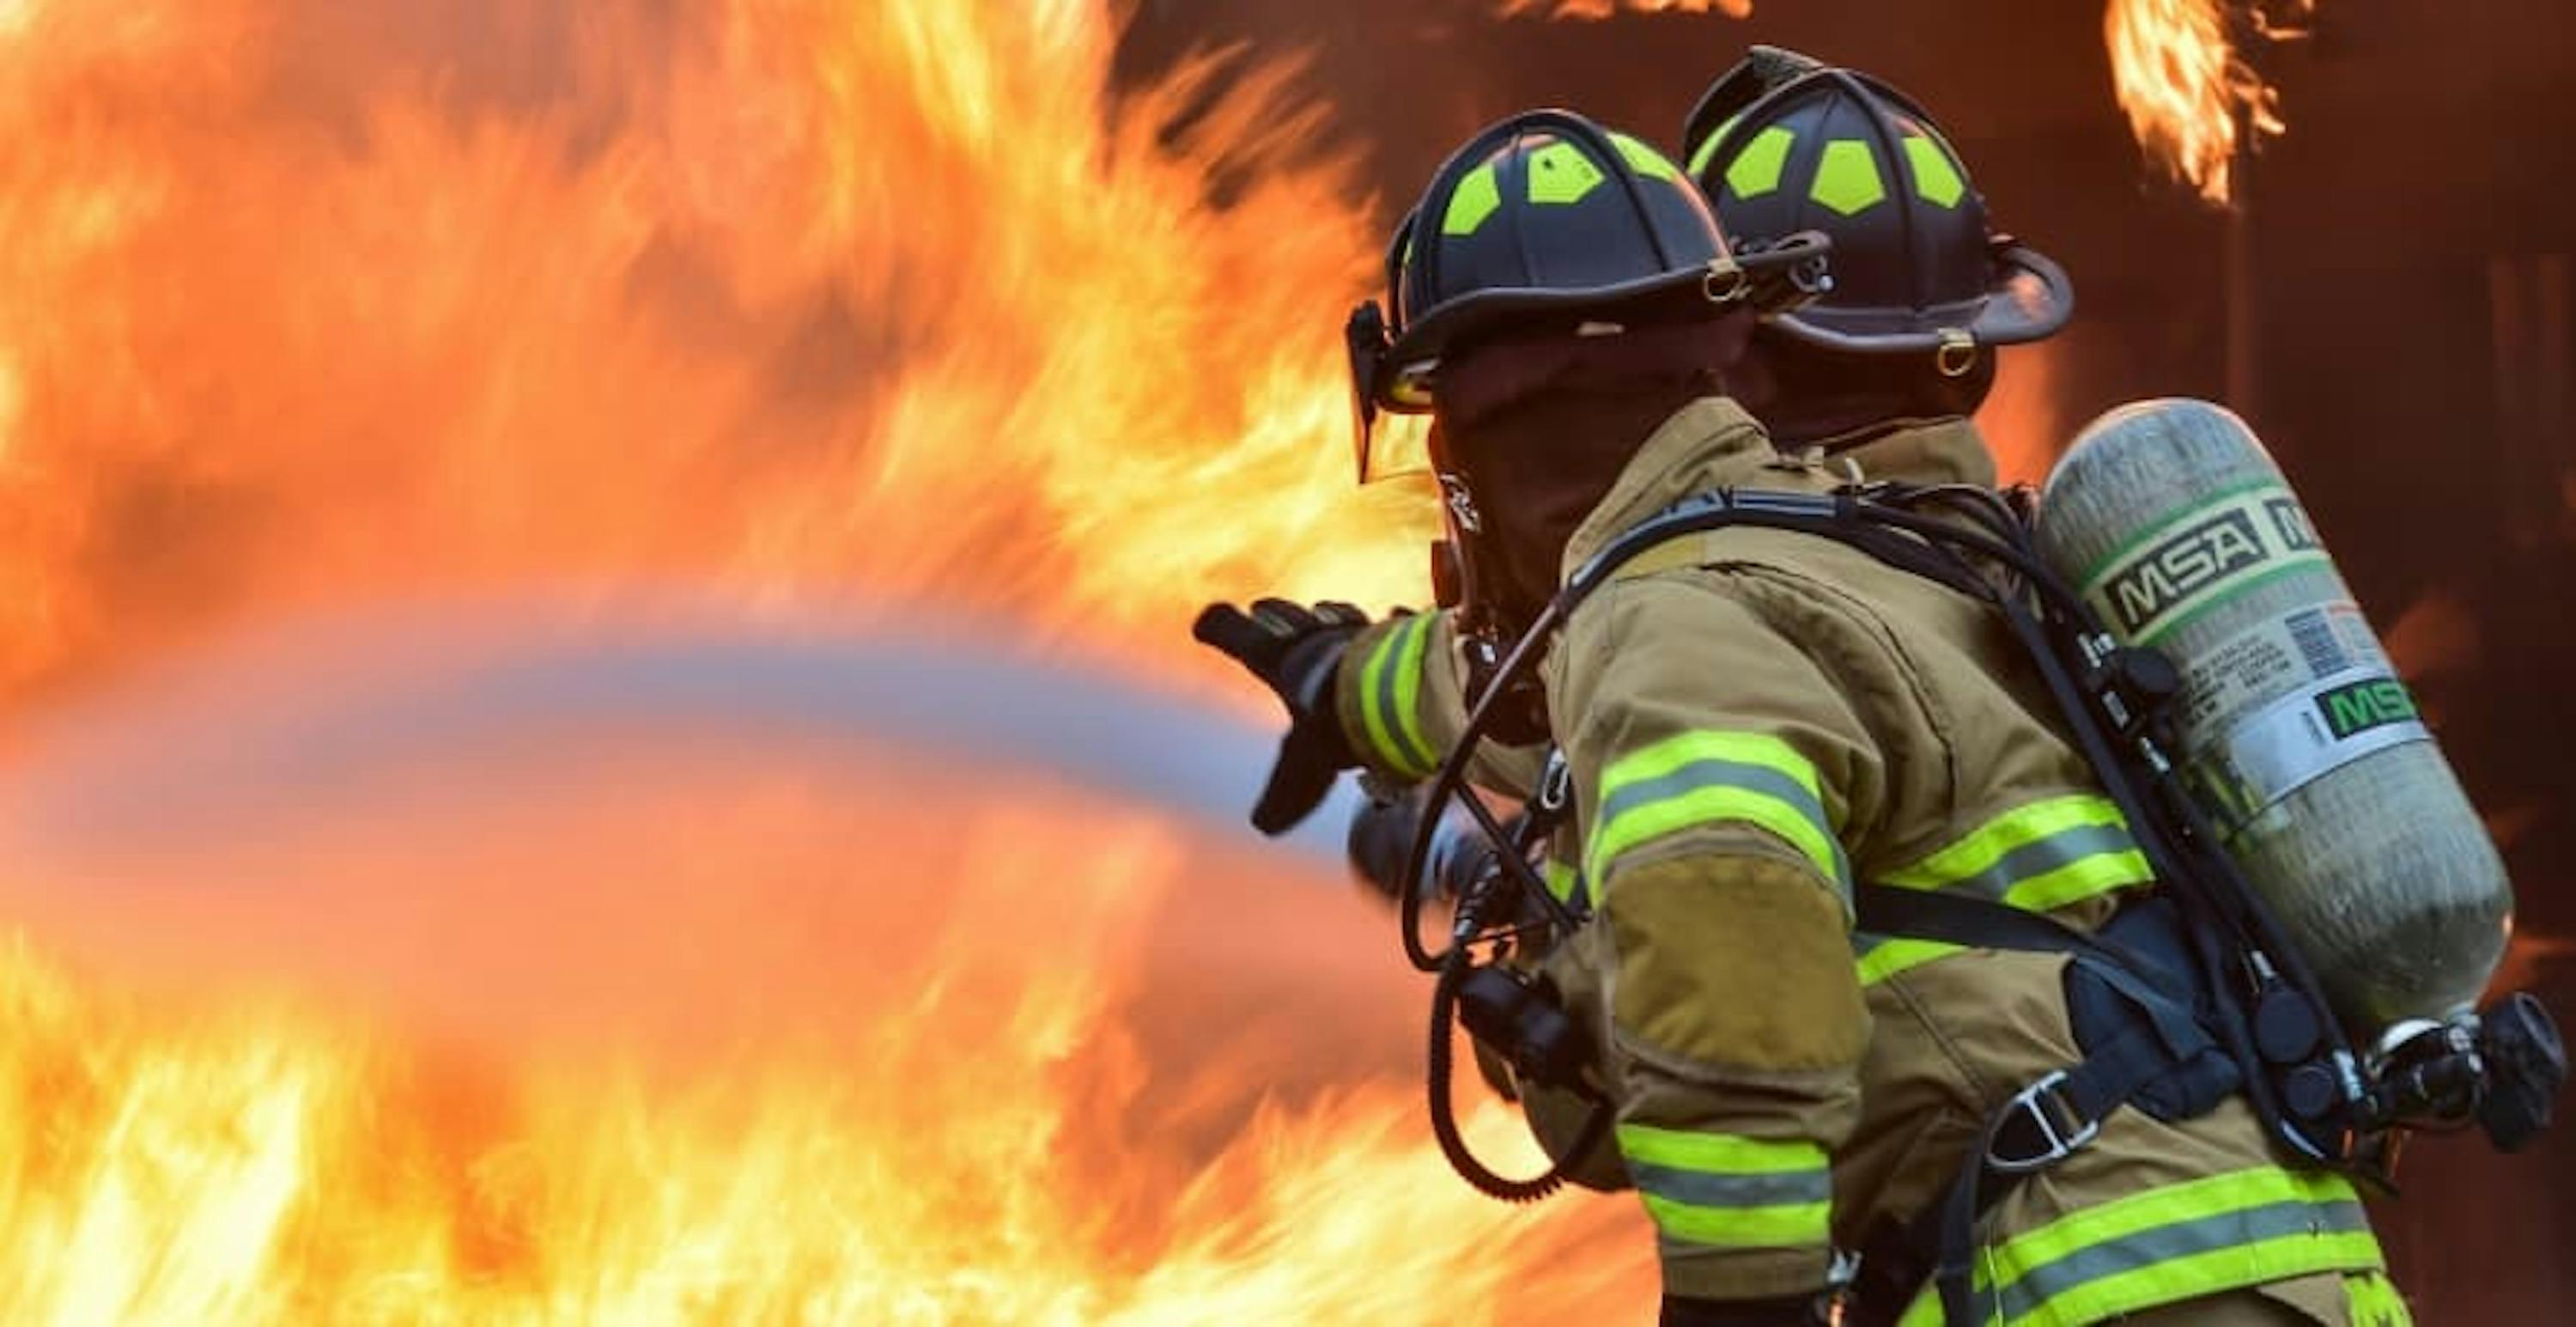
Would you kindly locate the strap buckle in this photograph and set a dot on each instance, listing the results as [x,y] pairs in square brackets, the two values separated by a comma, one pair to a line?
[2062,1129]
[1725,281]
[1556,784]
[1834,1307]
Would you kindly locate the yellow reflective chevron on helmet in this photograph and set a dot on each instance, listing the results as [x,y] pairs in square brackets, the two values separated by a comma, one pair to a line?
[1707,151]
[1756,170]
[1559,172]
[1936,177]
[1645,160]
[1479,195]
[1847,178]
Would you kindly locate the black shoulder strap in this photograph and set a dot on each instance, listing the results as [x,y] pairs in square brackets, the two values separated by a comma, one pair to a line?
[1923,914]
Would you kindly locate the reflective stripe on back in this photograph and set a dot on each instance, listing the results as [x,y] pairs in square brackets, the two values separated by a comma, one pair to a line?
[2181,1242]
[1880,957]
[2039,857]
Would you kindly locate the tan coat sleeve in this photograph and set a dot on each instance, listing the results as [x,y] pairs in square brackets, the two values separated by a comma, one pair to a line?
[1401,697]
[1719,774]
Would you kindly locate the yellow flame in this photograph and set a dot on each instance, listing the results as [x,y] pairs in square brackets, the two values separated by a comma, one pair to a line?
[2193,99]
[793,296]
[945,1114]
[303,307]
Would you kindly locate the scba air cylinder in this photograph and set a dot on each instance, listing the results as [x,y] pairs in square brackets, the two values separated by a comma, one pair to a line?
[2297,734]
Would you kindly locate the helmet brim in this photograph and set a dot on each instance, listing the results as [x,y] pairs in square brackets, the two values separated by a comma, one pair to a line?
[2029,300]
[1777,277]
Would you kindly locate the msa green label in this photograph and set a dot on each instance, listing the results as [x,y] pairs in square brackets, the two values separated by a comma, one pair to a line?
[2196,560]
[2358,707]
[2254,761]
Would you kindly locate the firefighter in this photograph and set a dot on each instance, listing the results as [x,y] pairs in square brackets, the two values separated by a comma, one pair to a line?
[1754,720]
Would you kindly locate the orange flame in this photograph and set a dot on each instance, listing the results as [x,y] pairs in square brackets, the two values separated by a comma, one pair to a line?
[2022,420]
[671,1058]
[795,296]
[2192,98]
[2437,637]
[306,305]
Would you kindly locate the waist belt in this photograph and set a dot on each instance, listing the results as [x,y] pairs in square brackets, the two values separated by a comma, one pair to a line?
[2135,1005]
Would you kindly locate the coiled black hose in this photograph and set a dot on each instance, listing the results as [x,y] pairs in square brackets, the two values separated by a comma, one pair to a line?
[1444,1113]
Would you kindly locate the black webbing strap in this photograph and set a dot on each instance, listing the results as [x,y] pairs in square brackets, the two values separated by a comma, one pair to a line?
[2045,1122]
[1927,914]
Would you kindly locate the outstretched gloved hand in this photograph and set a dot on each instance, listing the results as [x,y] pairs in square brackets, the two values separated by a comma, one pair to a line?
[1295,650]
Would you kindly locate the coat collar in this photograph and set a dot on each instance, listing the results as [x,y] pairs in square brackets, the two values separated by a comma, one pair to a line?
[1712,443]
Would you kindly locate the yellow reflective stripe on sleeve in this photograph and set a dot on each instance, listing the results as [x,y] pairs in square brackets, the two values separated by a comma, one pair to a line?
[2041,856]
[1705,778]
[2374,1302]
[1725,1191]
[1390,690]
[1716,1153]
[1564,881]
[1803,1225]
[1408,694]
[1879,957]
[1373,692]
[2180,1242]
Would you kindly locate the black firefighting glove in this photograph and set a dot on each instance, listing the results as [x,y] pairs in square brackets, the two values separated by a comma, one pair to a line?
[1294,649]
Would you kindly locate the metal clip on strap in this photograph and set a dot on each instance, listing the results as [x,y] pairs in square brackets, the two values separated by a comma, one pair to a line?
[1556,783]
[2059,1127]
[1726,281]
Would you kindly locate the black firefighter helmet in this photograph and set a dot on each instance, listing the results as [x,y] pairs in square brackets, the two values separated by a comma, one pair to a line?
[1549,224]
[1783,143]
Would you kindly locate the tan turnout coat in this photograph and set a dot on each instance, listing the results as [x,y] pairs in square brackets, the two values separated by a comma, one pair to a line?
[1755,719]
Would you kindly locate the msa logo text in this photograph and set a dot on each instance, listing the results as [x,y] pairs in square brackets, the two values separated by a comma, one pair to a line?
[2361,706]
[2185,564]
[2290,521]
